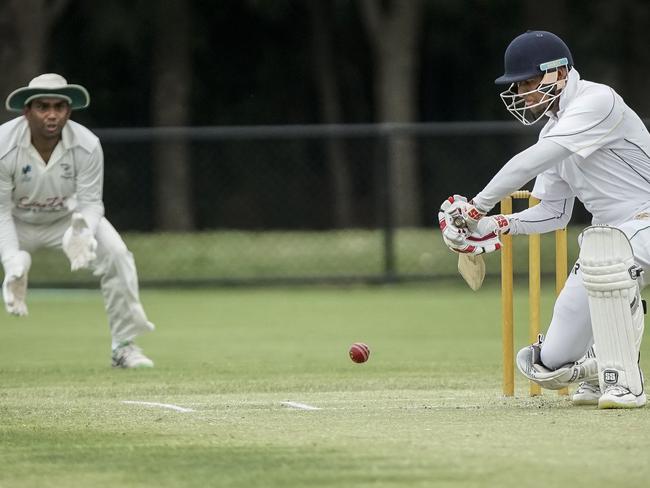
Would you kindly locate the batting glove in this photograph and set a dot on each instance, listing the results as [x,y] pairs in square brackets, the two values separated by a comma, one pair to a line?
[496,224]
[451,220]
[14,286]
[463,241]
[479,223]
[475,244]
[463,214]
[79,243]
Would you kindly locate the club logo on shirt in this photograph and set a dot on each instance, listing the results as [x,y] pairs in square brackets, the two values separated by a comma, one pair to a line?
[26,170]
[50,204]
[67,171]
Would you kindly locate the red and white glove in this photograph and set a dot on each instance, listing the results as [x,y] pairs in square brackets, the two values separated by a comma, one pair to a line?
[466,230]
[452,212]
[470,242]
[497,224]
[462,213]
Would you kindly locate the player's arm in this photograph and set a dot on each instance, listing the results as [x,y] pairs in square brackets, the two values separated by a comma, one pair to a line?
[522,168]
[537,160]
[8,238]
[15,263]
[547,216]
[584,128]
[89,188]
[79,243]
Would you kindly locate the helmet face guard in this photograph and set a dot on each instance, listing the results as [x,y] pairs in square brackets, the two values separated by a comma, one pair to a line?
[550,88]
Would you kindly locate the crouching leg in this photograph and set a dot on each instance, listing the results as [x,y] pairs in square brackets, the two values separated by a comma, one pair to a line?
[530,365]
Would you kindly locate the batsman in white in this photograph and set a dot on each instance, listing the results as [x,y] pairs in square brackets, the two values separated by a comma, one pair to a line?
[594,148]
[51,183]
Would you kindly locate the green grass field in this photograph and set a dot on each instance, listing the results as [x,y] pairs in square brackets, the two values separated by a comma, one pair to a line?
[425,410]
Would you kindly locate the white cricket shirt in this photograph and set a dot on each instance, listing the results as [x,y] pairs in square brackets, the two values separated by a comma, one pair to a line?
[605,164]
[38,193]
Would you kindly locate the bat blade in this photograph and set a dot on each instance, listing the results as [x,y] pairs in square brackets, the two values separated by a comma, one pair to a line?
[472,269]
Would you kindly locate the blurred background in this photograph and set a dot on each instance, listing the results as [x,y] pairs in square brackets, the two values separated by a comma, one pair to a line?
[273,141]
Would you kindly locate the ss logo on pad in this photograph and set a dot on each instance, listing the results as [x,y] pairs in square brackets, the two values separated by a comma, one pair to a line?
[610,377]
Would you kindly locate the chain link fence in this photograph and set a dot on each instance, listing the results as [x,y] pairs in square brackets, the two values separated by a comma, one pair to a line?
[289,204]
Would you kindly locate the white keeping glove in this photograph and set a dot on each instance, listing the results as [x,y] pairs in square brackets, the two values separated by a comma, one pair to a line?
[79,243]
[14,286]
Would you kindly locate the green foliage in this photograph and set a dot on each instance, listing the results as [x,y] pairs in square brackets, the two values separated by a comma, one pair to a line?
[424,411]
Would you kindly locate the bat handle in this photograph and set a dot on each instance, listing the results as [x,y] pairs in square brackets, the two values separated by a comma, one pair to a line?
[460,222]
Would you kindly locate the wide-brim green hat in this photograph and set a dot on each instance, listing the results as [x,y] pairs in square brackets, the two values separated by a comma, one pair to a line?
[48,85]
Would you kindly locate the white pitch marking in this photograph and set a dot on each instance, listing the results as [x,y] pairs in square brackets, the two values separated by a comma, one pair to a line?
[161,405]
[299,406]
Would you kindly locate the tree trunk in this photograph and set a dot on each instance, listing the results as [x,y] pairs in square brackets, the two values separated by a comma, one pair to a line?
[170,102]
[25,27]
[635,57]
[330,104]
[394,32]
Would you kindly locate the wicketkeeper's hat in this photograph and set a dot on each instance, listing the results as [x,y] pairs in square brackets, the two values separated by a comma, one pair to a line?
[48,85]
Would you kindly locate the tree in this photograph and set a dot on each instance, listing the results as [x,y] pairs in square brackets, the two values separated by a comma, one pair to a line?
[394,29]
[330,104]
[25,28]
[172,81]
[635,66]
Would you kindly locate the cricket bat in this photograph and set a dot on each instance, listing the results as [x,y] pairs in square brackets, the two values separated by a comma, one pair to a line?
[472,269]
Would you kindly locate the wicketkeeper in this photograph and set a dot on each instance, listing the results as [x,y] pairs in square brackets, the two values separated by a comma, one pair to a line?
[51,182]
[594,148]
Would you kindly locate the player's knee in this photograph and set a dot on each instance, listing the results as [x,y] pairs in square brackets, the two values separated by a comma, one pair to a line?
[113,255]
[115,248]
[120,253]
[553,359]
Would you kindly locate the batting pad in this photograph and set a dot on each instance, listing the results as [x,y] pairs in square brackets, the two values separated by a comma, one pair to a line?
[610,277]
[530,365]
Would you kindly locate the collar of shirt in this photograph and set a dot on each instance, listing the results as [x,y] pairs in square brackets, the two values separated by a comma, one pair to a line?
[567,93]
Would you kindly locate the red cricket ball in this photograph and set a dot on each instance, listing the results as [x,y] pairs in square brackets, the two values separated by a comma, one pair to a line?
[359,352]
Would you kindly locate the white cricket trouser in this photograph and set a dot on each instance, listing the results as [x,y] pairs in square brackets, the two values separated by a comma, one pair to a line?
[114,264]
[569,335]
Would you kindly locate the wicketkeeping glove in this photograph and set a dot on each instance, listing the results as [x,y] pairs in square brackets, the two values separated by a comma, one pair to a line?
[79,243]
[14,286]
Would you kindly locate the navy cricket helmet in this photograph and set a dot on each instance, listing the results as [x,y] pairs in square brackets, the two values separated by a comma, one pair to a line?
[532,54]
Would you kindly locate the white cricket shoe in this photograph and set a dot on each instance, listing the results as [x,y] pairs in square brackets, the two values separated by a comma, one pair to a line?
[586,394]
[128,355]
[617,396]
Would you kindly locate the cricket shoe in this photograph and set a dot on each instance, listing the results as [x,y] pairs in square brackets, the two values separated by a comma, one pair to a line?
[617,396]
[128,355]
[586,394]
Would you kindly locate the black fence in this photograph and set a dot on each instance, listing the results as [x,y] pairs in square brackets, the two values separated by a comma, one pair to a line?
[277,177]
[261,199]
